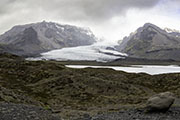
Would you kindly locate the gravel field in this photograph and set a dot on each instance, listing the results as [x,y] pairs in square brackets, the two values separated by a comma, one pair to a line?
[172,114]
[135,114]
[10,111]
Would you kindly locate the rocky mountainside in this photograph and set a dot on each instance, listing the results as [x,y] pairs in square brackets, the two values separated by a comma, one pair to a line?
[32,39]
[152,42]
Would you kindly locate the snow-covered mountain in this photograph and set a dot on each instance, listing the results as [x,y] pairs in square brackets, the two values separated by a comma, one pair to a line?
[174,32]
[35,38]
[152,42]
[97,52]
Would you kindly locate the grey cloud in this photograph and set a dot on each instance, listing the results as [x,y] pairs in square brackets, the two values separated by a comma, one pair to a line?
[77,9]
[96,14]
[4,6]
[7,6]
[94,9]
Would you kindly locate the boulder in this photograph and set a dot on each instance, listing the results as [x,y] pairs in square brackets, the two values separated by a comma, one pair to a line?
[160,102]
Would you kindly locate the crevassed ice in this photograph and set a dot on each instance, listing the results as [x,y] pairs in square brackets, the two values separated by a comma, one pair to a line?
[94,52]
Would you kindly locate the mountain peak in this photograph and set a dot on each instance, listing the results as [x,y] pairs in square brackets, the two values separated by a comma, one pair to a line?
[147,25]
[44,21]
[45,36]
[152,42]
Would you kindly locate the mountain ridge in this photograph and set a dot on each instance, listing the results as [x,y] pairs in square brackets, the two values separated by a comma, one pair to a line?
[151,42]
[36,38]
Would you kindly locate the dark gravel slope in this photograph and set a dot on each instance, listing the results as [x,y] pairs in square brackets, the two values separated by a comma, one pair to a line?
[172,114]
[9,111]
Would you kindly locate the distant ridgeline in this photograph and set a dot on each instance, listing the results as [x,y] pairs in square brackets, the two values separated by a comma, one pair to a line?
[152,42]
[33,39]
[147,42]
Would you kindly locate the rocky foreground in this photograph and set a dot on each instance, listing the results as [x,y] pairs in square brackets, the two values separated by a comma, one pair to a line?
[9,111]
[172,114]
[80,93]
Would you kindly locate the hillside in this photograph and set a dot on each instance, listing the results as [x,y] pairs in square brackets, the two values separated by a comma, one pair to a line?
[33,39]
[74,92]
[152,42]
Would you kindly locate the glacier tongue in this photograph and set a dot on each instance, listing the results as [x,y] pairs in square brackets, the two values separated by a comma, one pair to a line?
[95,52]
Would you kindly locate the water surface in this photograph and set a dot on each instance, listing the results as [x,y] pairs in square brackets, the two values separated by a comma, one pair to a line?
[149,69]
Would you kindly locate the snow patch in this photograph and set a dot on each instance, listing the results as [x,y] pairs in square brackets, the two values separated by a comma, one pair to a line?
[168,30]
[58,32]
[89,33]
[59,27]
[86,31]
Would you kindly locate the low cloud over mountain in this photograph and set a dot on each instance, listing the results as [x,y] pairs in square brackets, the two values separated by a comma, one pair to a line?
[109,19]
[76,9]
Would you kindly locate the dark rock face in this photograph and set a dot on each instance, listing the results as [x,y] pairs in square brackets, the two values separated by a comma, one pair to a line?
[28,43]
[160,102]
[151,42]
[30,36]
[32,39]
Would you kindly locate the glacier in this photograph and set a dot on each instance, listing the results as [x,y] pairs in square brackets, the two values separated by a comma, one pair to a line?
[96,52]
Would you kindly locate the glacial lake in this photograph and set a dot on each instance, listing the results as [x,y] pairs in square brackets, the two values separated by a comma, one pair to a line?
[149,69]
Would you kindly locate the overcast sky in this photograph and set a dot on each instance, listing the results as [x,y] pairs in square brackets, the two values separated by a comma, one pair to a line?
[109,19]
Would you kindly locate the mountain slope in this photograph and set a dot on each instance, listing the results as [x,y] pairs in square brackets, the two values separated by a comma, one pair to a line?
[152,42]
[32,39]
